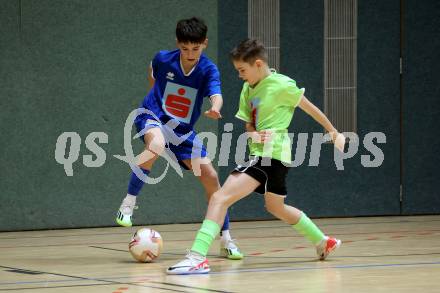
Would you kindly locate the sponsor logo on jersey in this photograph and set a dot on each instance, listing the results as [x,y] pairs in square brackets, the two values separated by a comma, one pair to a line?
[179,101]
[254,110]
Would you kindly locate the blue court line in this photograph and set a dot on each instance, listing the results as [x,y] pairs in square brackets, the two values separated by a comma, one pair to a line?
[279,269]
[285,269]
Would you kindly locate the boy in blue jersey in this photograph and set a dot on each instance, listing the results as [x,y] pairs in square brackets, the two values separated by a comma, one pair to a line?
[179,81]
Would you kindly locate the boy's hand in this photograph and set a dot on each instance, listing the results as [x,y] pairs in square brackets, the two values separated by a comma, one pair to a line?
[213,114]
[338,139]
[261,136]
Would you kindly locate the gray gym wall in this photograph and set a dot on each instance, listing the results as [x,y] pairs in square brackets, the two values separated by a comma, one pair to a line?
[80,66]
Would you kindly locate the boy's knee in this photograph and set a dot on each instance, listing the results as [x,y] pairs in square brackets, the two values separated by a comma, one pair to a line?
[210,175]
[206,174]
[156,146]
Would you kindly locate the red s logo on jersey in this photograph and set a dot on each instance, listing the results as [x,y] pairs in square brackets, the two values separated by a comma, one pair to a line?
[178,106]
[178,101]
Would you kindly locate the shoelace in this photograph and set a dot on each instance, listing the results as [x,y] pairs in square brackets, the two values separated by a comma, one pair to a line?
[129,206]
[192,256]
[232,242]
[124,207]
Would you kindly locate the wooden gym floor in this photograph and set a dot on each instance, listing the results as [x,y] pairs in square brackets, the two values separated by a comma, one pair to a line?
[378,254]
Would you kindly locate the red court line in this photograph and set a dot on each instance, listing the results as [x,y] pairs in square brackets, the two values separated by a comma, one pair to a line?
[301,247]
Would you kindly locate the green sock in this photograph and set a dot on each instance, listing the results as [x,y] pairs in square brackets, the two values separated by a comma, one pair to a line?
[307,228]
[205,236]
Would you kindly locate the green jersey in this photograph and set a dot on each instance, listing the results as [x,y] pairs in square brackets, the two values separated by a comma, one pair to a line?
[270,106]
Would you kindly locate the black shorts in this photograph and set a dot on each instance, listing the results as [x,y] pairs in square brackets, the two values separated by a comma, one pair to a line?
[272,176]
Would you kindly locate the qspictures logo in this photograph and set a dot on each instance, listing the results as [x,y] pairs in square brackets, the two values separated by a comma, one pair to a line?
[68,145]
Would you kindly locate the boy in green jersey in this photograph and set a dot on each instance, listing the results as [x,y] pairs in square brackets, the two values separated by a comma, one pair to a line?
[267,103]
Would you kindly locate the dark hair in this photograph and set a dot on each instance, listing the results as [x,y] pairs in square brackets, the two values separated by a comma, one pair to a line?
[248,51]
[191,30]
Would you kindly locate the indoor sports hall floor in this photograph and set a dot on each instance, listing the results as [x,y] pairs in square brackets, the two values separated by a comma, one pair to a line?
[378,254]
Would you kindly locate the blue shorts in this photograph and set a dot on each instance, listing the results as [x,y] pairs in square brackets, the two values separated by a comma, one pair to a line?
[183,145]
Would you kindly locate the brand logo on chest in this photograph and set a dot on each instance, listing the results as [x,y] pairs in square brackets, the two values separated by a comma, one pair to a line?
[178,101]
[170,76]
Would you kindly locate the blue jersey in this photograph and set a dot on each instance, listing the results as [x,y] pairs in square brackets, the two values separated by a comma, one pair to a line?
[179,96]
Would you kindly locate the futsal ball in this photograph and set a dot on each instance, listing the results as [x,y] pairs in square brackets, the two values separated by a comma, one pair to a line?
[145,245]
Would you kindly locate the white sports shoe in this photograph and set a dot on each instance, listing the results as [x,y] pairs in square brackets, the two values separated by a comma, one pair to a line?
[125,213]
[193,263]
[326,246]
[230,250]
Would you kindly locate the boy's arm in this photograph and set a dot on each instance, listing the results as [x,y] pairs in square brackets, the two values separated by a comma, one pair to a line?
[257,136]
[337,138]
[216,105]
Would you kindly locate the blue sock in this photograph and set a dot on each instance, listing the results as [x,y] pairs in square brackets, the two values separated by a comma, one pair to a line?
[226,223]
[135,184]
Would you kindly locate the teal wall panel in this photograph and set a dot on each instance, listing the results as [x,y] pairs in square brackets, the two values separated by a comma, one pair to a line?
[324,191]
[421,67]
[80,66]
